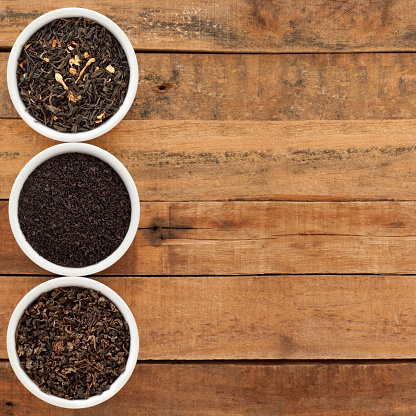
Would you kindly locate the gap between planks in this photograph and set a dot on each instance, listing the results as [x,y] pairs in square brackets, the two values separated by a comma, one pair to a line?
[222,276]
[8,48]
[256,362]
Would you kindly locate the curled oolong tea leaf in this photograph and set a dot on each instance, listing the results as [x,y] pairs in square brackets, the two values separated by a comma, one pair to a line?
[74,210]
[72,75]
[73,342]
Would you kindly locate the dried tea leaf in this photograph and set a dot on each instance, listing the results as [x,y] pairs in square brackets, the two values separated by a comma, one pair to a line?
[52,109]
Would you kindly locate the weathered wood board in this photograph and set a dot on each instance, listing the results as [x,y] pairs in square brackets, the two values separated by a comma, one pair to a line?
[259,317]
[294,389]
[242,26]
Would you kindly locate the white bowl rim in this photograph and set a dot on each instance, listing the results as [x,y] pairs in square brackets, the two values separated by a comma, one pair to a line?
[12,78]
[47,286]
[121,171]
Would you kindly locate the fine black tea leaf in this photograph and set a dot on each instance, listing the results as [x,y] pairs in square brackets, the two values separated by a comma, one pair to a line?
[72,75]
[74,210]
[73,342]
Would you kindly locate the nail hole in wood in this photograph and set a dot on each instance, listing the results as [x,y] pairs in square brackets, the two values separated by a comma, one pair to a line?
[163,87]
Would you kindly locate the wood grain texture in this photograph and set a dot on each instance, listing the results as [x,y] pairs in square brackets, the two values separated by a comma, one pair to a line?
[259,317]
[339,389]
[238,25]
[231,238]
[268,87]
[278,190]
[220,161]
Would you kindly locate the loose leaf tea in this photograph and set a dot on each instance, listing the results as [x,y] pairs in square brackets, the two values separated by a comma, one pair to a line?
[74,210]
[73,342]
[72,75]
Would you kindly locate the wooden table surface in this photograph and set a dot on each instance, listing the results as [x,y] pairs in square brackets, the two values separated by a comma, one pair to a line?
[273,145]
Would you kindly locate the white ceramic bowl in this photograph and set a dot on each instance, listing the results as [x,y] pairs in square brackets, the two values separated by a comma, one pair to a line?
[12,78]
[71,148]
[29,298]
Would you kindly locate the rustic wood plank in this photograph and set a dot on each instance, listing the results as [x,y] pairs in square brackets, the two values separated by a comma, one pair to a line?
[259,317]
[256,238]
[229,238]
[207,160]
[249,26]
[338,389]
[268,87]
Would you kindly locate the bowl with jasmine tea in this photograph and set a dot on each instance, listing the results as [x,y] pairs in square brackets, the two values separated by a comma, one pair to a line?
[72,74]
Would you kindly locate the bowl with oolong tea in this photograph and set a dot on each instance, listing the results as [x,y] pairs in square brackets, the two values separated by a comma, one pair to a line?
[73,342]
[72,74]
[74,209]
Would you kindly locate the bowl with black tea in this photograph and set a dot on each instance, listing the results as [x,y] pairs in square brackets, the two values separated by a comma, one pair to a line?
[74,209]
[73,342]
[72,74]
